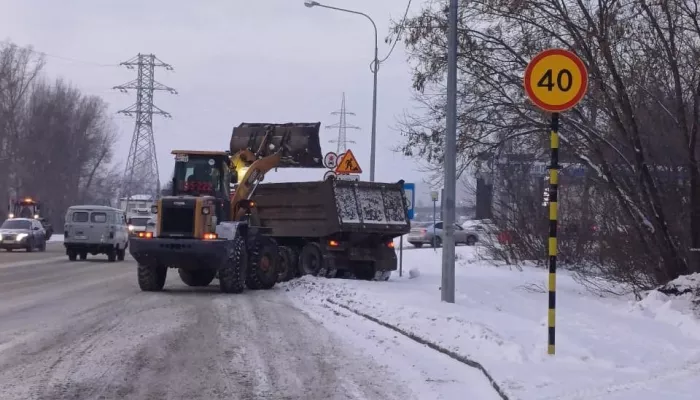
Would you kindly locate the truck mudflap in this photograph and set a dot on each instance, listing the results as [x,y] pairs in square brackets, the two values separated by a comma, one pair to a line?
[300,142]
[179,253]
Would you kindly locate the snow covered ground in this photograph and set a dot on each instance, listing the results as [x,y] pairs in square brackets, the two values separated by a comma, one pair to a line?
[607,348]
[56,238]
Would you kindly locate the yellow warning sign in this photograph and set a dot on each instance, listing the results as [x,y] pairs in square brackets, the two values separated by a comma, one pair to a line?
[348,164]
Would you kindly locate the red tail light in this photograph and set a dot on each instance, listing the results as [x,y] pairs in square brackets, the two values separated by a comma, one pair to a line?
[145,235]
[210,236]
[390,244]
[333,243]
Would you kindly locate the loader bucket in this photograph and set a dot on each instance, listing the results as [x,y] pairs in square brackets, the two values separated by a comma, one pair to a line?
[299,143]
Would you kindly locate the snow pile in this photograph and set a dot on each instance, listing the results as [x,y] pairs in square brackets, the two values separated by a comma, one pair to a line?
[56,238]
[607,348]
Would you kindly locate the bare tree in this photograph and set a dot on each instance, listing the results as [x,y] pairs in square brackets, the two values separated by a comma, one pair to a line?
[56,143]
[636,130]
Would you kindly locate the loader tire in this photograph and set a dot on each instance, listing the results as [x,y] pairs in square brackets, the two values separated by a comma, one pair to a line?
[197,278]
[232,272]
[263,264]
[287,270]
[152,278]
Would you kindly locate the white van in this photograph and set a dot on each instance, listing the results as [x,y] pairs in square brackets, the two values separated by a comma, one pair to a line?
[95,230]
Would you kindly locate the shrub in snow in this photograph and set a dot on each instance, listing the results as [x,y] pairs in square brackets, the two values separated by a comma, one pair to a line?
[682,285]
[413,273]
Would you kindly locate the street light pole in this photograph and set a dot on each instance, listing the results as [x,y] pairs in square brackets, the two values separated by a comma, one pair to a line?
[374,67]
[448,246]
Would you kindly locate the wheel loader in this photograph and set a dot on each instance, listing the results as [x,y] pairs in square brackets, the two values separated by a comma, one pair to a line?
[206,230]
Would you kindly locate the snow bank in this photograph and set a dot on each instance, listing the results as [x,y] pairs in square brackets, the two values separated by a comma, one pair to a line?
[607,348]
[56,238]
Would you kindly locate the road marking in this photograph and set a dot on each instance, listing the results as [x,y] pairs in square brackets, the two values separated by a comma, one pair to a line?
[31,262]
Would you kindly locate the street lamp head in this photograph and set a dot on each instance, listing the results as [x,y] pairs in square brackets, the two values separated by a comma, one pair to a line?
[310,3]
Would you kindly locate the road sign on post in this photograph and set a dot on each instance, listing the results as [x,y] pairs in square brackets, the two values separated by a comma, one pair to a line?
[348,164]
[555,81]
[434,197]
[330,160]
[409,190]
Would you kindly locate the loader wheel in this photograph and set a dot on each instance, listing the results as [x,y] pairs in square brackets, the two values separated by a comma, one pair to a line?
[112,255]
[72,255]
[311,259]
[232,272]
[83,256]
[286,270]
[263,264]
[197,278]
[152,278]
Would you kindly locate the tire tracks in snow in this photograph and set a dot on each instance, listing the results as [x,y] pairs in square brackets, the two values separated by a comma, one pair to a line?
[457,357]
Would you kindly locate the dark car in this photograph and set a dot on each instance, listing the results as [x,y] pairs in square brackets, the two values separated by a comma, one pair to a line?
[22,233]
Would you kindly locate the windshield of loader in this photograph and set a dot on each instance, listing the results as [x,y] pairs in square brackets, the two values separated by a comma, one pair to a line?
[197,175]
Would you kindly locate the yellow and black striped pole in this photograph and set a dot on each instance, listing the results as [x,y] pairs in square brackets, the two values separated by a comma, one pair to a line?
[552,245]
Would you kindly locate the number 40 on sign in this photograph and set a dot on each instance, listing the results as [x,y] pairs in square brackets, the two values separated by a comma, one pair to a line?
[556,80]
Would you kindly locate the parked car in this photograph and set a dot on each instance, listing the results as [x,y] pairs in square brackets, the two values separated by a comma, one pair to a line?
[95,230]
[432,233]
[22,233]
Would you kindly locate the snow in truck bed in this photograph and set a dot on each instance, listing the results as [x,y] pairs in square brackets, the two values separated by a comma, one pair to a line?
[612,348]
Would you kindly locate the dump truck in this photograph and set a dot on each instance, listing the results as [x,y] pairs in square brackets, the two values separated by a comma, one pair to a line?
[333,228]
[259,234]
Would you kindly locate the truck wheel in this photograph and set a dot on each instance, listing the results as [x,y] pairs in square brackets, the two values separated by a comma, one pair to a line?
[263,264]
[311,259]
[83,256]
[286,270]
[197,278]
[112,255]
[121,253]
[152,278]
[232,272]
[72,255]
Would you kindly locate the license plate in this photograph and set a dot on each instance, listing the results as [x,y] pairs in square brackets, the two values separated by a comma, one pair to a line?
[9,241]
[81,237]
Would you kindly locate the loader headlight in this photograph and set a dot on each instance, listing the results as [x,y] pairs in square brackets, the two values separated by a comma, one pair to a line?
[205,210]
[36,216]
[131,228]
[11,215]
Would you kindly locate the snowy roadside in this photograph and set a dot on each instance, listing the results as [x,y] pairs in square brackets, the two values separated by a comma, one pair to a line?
[56,238]
[607,348]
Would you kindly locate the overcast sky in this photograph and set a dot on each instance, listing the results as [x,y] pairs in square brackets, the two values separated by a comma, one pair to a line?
[235,61]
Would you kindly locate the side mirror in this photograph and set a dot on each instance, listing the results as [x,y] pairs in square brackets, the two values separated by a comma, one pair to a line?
[36,228]
[128,221]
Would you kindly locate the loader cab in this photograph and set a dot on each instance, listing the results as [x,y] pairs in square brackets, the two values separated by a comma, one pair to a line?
[203,173]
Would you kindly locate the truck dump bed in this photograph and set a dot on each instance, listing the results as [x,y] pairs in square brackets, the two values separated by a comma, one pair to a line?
[325,208]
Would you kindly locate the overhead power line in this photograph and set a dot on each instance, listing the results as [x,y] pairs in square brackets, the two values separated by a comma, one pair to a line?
[42,53]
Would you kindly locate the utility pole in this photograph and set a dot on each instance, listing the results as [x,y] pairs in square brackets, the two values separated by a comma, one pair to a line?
[342,126]
[448,245]
[141,173]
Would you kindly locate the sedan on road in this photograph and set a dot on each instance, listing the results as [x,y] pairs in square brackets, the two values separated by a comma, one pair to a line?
[22,233]
[432,233]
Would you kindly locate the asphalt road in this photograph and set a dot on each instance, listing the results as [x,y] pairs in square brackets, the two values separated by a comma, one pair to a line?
[83,330]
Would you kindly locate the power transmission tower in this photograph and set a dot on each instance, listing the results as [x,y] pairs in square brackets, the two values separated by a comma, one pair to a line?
[141,173]
[342,127]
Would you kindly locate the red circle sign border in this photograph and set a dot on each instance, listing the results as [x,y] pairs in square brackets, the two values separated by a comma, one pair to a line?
[556,52]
